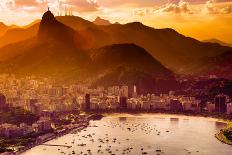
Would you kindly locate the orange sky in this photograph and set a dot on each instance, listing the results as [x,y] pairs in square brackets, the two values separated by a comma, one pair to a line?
[201,19]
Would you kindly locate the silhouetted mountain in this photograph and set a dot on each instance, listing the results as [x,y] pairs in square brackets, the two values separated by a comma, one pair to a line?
[100,21]
[54,51]
[51,30]
[76,23]
[3,28]
[14,35]
[177,52]
[220,65]
[129,64]
[217,41]
[128,56]
[181,54]
[30,31]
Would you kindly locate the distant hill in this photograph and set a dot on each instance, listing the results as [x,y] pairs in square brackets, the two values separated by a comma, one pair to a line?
[218,42]
[19,34]
[220,65]
[181,54]
[77,23]
[100,21]
[14,35]
[57,51]
[129,64]
[3,28]
[128,56]
[54,51]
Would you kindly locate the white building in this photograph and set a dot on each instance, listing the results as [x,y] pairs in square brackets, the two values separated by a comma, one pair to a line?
[229,108]
[210,107]
[146,105]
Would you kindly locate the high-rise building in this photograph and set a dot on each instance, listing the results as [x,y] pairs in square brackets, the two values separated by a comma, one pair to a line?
[87,102]
[33,107]
[123,103]
[175,105]
[124,91]
[2,101]
[210,107]
[220,103]
[229,108]
[134,93]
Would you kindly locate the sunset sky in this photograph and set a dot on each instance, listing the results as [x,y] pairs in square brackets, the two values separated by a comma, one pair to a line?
[201,19]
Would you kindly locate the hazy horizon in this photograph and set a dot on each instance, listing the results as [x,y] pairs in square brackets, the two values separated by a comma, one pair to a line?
[73,83]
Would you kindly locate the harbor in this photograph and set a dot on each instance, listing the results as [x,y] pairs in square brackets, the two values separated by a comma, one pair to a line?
[140,134]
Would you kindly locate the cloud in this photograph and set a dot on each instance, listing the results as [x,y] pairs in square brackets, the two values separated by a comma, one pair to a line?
[84,5]
[182,7]
[29,8]
[185,7]
[211,7]
[21,12]
[226,10]
[55,5]
[6,4]
[40,1]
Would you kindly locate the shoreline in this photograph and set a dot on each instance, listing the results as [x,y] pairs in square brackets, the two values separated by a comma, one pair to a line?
[80,127]
[220,136]
[49,139]
[105,114]
[214,116]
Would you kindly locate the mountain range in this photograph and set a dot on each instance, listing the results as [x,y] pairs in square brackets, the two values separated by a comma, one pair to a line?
[73,48]
[100,21]
[68,53]
[4,28]
[217,41]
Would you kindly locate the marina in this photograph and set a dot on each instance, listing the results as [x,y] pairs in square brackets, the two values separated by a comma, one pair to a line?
[140,134]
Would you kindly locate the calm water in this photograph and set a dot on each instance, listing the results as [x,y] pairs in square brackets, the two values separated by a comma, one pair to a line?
[137,134]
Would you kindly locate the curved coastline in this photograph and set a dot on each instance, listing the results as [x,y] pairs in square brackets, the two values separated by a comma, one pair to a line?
[221,136]
[81,127]
[210,116]
[171,114]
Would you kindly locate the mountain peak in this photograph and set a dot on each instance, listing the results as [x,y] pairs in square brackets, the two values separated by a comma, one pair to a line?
[101,21]
[217,41]
[48,17]
[52,30]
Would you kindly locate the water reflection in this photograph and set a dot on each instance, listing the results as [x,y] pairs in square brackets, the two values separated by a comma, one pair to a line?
[174,120]
[220,125]
[138,135]
[122,119]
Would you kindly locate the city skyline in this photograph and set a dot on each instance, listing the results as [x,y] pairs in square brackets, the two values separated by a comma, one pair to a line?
[188,17]
[74,86]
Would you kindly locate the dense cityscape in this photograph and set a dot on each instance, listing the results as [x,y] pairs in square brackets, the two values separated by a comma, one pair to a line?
[42,95]
[89,77]
[35,110]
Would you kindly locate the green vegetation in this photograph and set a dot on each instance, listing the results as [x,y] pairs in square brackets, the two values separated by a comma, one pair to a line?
[228,134]
[225,135]
[17,116]
[2,150]
[220,86]
[229,125]
[19,141]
